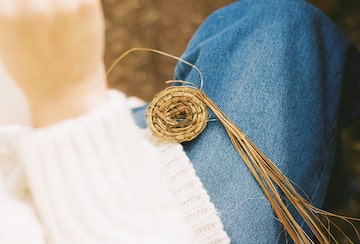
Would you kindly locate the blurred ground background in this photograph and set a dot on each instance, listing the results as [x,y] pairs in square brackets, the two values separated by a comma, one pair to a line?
[168,25]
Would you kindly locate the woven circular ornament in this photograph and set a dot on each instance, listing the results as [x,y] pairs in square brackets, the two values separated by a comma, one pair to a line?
[177,114]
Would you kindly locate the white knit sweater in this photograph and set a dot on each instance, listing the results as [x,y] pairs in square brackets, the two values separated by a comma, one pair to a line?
[100,179]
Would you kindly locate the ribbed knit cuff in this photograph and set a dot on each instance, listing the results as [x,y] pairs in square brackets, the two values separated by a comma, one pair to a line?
[94,179]
[194,200]
[61,163]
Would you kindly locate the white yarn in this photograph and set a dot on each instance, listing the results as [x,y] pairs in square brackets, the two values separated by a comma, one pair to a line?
[99,179]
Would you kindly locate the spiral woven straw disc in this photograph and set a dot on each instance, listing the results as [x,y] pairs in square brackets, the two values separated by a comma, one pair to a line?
[177,114]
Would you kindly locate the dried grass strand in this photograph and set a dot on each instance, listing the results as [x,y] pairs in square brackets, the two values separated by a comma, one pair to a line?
[268,176]
[144,49]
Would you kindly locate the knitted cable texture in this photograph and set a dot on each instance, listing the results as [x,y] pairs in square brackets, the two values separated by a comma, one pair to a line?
[200,212]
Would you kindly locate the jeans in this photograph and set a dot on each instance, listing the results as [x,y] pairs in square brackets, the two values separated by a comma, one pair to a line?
[289,79]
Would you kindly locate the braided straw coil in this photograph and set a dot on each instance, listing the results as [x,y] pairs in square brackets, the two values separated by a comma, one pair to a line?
[177,114]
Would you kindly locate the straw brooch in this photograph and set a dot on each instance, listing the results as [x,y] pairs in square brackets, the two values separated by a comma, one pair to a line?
[180,113]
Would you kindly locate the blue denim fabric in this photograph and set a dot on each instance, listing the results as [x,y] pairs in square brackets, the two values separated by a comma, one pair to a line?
[277,69]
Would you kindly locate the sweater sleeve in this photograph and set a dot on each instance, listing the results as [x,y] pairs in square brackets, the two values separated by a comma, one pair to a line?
[18,223]
[95,180]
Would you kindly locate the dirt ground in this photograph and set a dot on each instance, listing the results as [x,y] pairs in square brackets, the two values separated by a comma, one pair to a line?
[160,24]
[168,25]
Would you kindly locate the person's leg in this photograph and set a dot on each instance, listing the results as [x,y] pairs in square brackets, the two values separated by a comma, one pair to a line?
[276,69]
